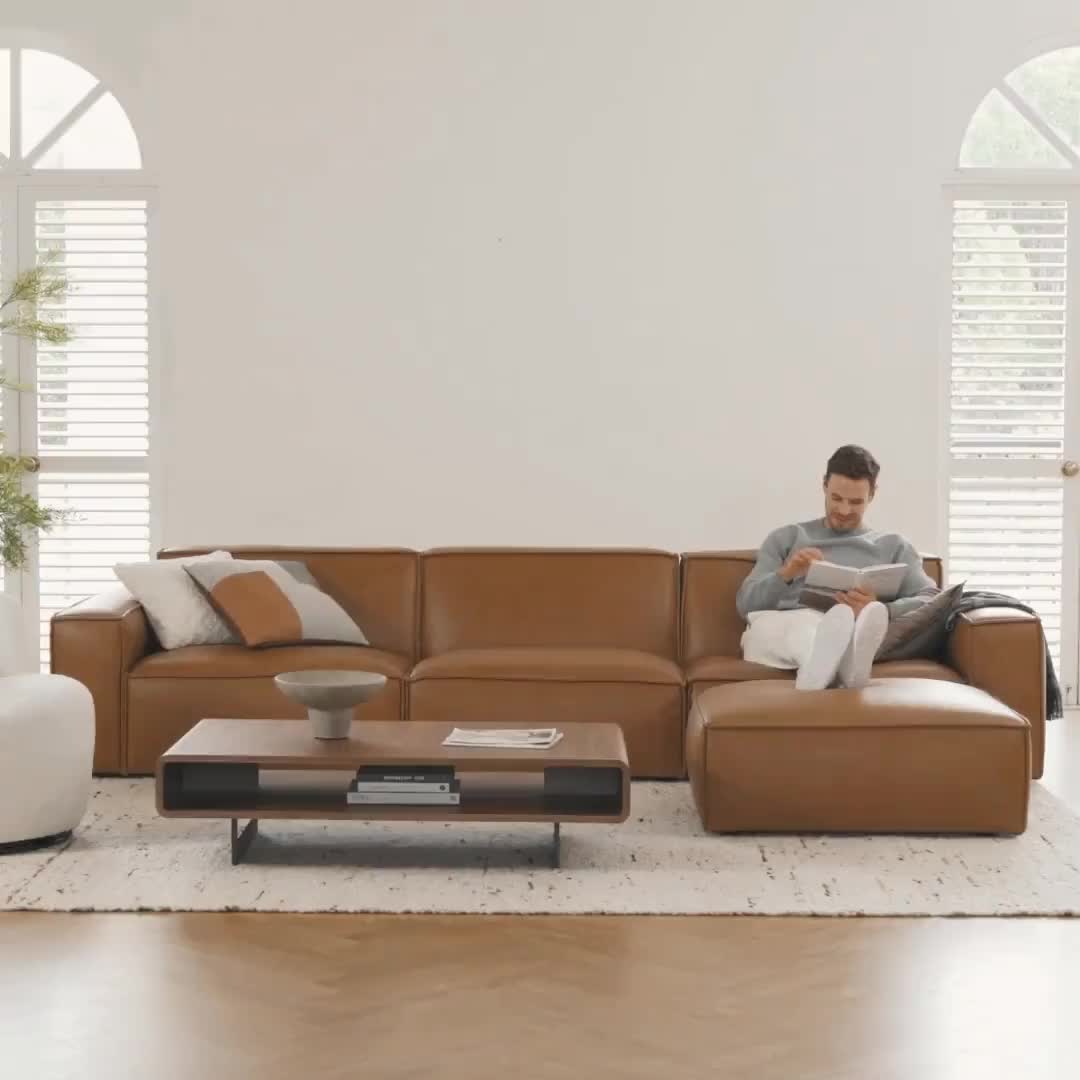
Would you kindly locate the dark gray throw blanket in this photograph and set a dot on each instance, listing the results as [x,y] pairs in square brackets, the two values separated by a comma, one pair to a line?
[972,600]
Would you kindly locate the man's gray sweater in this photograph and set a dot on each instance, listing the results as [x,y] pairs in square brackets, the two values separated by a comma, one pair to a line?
[766,590]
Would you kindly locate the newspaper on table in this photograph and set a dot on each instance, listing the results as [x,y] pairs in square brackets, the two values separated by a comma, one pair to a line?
[504,738]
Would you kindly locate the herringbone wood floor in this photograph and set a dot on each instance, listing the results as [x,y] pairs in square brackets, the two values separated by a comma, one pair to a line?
[273,996]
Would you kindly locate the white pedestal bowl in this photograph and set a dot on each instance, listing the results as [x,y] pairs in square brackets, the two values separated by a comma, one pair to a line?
[330,697]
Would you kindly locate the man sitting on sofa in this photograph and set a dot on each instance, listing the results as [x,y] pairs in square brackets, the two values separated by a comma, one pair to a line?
[842,642]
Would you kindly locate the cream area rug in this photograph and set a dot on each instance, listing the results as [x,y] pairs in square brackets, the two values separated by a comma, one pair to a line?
[125,858]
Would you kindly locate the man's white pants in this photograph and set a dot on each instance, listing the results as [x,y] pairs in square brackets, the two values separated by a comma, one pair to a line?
[781,639]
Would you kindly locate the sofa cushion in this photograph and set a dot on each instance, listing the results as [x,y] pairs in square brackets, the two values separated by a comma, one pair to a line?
[239,662]
[482,598]
[916,669]
[731,669]
[525,663]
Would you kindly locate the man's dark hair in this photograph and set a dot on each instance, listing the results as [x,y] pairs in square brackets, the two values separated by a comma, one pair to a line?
[855,463]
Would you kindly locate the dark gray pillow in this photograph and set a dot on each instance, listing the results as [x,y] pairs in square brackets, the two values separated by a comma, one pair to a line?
[920,634]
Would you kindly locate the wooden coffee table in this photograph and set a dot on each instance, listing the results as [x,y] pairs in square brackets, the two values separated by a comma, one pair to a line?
[252,769]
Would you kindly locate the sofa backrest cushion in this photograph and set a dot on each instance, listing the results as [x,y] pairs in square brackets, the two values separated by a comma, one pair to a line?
[377,587]
[710,579]
[490,597]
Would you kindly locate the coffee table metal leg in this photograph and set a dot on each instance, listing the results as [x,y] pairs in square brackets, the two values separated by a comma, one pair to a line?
[241,840]
[555,849]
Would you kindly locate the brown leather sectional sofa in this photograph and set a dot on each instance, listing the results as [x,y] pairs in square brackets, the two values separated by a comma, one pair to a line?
[489,635]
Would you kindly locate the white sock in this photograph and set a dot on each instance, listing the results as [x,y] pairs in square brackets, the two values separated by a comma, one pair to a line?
[830,643]
[870,629]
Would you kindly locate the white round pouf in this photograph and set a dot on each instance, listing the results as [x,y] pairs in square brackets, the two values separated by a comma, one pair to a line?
[46,757]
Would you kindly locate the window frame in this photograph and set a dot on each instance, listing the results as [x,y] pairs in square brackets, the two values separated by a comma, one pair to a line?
[20,186]
[1008,183]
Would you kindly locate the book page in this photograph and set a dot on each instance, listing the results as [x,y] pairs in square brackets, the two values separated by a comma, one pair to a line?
[884,581]
[827,575]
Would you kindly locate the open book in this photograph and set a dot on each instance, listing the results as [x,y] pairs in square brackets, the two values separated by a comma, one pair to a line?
[824,579]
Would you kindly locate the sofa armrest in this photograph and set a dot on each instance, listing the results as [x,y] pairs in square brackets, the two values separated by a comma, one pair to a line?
[98,641]
[1001,651]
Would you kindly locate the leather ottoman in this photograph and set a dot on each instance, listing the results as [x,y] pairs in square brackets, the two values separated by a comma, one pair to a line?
[899,756]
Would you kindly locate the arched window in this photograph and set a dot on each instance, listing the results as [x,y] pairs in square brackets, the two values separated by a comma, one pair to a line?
[73,184]
[1031,119]
[1014,424]
[58,116]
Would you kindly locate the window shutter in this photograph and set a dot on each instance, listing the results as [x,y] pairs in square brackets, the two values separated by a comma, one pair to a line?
[1006,536]
[1007,403]
[1008,354]
[93,399]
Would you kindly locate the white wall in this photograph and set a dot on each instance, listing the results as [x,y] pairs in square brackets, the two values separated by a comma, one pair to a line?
[581,272]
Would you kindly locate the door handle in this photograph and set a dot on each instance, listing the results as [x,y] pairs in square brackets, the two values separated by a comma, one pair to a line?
[31,463]
[1070,468]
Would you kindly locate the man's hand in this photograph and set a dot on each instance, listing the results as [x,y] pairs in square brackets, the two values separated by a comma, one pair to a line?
[798,563]
[856,599]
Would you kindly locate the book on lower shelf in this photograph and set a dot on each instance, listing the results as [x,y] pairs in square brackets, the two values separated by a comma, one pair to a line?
[389,778]
[445,793]
[400,785]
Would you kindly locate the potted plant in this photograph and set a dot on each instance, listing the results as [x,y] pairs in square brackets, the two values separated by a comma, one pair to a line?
[22,517]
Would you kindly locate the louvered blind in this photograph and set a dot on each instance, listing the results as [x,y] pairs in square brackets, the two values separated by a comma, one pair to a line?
[1008,343]
[93,391]
[93,399]
[1006,536]
[1008,399]
[110,524]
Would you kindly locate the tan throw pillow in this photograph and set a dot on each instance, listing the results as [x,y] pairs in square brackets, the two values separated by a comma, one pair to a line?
[266,605]
[920,634]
